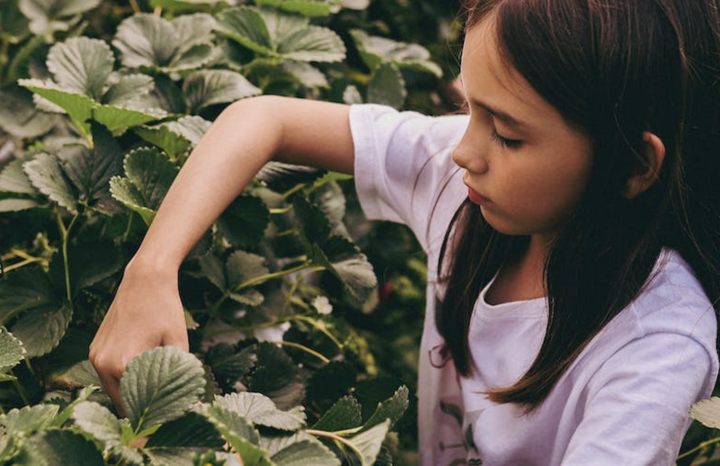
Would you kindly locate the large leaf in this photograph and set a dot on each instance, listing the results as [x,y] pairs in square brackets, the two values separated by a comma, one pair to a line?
[376,50]
[161,385]
[368,442]
[148,176]
[20,117]
[28,420]
[23,290]
[391,409]
[331,381]
[707,412]
[277,377]
[81,65]
[14,180]
[387,86]
[344,414]
[42,328]
[90,170]
[275,34]
[260,410]
[55,447]
[175,137]
[127,89]
[13,24]
[48,177]
[15,205]
[11,351]
[244,222]
[281,176]
[146,40]
[78,107]
[243,267]
[304,7]
[98,421]
[239,433]
[90,262]
[305,453]
[227,365]
[47,16]
[208,87]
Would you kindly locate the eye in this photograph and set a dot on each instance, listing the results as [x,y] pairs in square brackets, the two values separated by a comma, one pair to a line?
[505,142]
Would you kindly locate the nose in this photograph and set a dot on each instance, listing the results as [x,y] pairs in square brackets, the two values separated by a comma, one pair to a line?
[470,155]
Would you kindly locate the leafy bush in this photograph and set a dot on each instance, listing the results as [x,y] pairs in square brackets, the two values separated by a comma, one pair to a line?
[102,103]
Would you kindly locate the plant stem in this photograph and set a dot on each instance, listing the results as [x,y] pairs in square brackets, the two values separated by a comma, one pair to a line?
[129,225]
[322,329]
[3,59]
[65,237]
[278,211]
[21,391]
[337,438]
[304,348]
[135,6]
[281,273]
[699,447]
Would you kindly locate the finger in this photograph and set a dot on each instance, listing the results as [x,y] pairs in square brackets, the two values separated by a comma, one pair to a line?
[111,386]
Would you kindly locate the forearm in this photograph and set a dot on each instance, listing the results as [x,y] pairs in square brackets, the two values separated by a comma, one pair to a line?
[242,139]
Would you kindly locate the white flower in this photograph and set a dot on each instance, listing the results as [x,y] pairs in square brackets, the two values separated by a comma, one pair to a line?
[272,334]
[322,305]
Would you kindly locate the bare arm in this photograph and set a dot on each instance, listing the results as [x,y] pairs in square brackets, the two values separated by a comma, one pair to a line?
[147,311]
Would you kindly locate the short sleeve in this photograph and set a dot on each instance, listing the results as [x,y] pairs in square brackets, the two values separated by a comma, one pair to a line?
[403,167]
[637,403]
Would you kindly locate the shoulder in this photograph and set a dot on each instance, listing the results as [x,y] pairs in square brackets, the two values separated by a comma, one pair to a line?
[383,122]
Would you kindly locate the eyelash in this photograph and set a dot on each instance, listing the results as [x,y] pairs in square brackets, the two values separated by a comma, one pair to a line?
[505,142]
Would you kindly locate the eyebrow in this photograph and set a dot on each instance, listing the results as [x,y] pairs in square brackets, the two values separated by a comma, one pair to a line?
[500,115]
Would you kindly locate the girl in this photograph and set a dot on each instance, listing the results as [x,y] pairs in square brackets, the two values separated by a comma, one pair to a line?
[571,222]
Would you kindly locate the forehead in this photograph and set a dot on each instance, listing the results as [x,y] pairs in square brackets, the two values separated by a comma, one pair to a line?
[488,76]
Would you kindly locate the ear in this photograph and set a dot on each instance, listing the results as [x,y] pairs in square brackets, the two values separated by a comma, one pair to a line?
[648,173]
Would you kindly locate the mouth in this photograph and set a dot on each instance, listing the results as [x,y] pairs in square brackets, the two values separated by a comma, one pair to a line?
[477,198]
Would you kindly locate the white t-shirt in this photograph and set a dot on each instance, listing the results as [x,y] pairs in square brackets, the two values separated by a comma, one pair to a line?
[624,401]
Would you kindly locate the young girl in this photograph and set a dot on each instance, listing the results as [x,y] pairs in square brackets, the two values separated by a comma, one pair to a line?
[571,221]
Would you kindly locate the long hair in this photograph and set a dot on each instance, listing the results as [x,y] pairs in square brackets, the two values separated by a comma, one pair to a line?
[613,69]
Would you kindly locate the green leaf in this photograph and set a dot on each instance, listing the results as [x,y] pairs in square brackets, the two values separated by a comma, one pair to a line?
[29,419]
[239,434]
[281,176]
[91,170]
[42,328]
[242,267]
[81,374]
[118,119]
[331,381]
[148,176]
[260,410]
[20,117]
[23,290]
[344,414]
[176,6]
[78,107]
[208,87]
[81,65]
[391,409]
[190,431]
[707,412]
[244,222]
[227,365]
[306,74]
[146,40]
[127,89]
[55,447]
[387,86]
[14,180]
[305,454]
[11,351]
[98,421]
[47,16]
[275,34]
[161,385]
[92,261]
[15,205]
[376,50]
[277,377]
[368,442]
[13,24]
[46,175]
[309,8]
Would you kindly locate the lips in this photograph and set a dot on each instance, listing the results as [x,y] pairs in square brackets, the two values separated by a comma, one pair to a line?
[477,198]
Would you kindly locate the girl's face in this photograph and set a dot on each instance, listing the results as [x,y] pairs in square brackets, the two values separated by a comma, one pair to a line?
[524,165]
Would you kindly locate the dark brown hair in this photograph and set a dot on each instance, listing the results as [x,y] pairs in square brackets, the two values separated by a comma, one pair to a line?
[613,69]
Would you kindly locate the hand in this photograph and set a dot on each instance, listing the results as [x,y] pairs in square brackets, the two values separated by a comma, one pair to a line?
[146,313]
